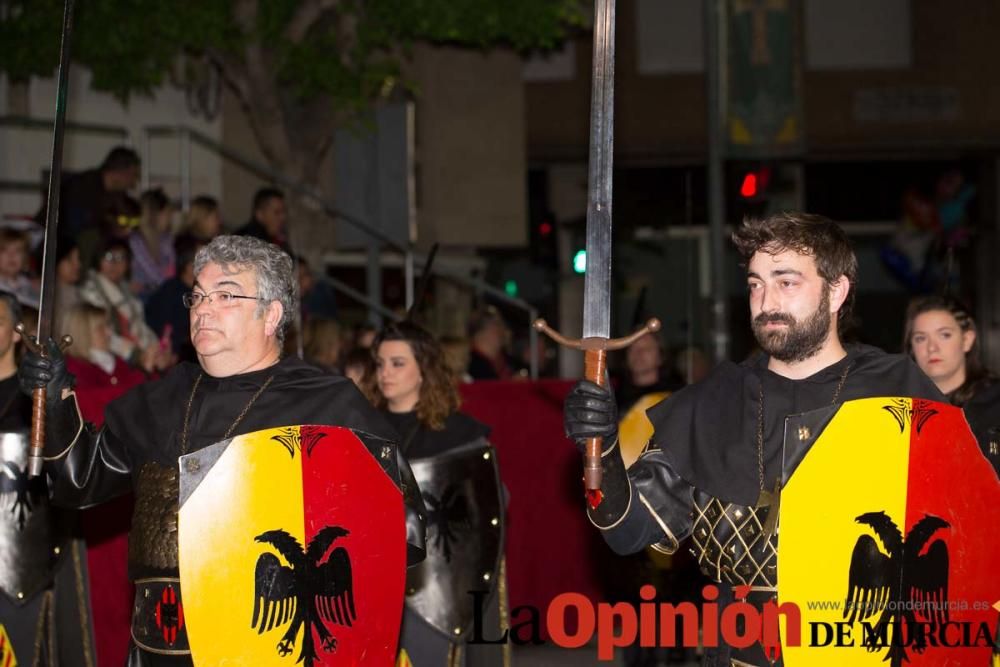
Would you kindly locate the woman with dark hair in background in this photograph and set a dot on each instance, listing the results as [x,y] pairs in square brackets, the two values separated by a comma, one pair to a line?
[941,338]
[456,470]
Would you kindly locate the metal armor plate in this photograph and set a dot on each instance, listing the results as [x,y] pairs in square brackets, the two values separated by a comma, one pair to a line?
[465,534]
[32,534]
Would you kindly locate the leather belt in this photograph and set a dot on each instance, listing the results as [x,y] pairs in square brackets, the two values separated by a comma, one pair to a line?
[158,624]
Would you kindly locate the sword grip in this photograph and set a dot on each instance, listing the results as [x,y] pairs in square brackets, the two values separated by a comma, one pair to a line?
[594,366]
[37,432]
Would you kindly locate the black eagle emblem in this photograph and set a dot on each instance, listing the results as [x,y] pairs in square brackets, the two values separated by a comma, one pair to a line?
[890,582]
[27,492]
[307,593]
[444,516]
[915,412]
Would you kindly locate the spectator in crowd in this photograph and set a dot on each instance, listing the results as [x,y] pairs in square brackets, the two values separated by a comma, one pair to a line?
[358,365]
[269,219]
[321,343]
[692,364]
[68,273]
[941,338]
[152,244]
[317,296]
[203,221]
[489,336]
[363,336]
[16,408]
[14,266]
[456,356]
[107,286]
[646,372]
[165,312]
[88,196]
[90,358]
[121,218]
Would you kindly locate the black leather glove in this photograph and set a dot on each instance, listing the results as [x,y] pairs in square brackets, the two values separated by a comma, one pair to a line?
[590,411]
[49,372]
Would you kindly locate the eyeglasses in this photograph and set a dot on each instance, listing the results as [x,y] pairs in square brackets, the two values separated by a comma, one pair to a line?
[224,298]
[112,256]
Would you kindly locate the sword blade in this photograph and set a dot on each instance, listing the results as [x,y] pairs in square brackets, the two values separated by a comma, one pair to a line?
[47,297]
[597,280]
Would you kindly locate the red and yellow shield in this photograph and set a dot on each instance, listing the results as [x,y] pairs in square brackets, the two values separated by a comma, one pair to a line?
[292,549]
[888,538]
[635,429]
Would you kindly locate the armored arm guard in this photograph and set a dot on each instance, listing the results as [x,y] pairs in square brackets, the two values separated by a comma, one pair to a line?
[647,505]
[86,466]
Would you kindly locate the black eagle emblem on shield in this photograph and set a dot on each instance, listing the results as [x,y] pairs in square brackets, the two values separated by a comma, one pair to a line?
[315,590]
[912,572]
[26,491]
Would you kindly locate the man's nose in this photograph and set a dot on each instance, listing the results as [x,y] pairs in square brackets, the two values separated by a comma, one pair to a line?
[769,301]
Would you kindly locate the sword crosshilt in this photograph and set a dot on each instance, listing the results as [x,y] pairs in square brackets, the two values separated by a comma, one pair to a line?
[597,280]
[37,343]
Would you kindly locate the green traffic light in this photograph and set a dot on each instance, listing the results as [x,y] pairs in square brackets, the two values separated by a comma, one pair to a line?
[510,287]
[580,261]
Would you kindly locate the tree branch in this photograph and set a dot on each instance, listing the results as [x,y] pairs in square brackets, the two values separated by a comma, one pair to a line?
[232,73]
[306,16]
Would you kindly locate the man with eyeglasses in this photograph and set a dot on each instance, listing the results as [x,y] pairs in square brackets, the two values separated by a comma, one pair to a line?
[244,297]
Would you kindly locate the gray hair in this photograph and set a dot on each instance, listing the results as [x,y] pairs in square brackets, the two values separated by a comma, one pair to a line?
[272,267]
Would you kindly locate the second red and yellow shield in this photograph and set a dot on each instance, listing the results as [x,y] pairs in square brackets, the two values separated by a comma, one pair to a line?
[292,549]
[888,526]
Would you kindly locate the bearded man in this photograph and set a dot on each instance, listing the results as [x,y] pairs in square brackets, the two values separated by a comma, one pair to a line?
[710,470]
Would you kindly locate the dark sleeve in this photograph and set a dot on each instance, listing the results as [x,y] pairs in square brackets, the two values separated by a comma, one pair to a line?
[480,368]
[650,505]
[86,466]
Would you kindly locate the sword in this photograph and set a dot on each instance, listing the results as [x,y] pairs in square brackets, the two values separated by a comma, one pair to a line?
[36,343]
[597,279]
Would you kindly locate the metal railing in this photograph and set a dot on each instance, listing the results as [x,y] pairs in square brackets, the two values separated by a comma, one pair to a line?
[188,136]
[45,125]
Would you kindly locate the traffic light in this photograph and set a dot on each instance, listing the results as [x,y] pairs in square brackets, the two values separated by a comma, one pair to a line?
[580,261]
[758,188]
[543,240]
[755,183]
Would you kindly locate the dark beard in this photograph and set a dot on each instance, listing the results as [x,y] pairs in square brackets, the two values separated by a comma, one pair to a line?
[798,341]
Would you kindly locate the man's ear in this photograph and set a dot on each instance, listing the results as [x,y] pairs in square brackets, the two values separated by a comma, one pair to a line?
[272,317]
[839,289]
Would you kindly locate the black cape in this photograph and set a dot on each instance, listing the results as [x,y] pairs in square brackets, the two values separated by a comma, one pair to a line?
[150,418]
[983,413]
[708,431]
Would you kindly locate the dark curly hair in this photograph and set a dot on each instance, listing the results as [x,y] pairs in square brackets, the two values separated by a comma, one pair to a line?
[977,376]
[438,394]
[809,234]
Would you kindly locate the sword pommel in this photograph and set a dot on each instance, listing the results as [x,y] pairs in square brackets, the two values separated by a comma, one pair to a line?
[594,369]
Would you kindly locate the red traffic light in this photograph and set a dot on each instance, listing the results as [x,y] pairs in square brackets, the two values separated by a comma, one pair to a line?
[545,228]
[754,183]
